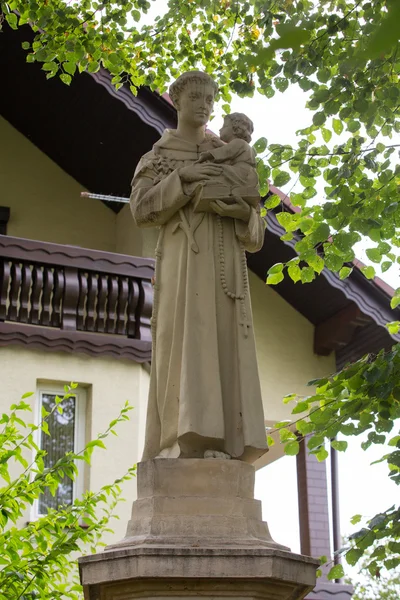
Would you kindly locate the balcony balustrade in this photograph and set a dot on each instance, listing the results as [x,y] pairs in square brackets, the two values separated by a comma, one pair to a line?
[73,299]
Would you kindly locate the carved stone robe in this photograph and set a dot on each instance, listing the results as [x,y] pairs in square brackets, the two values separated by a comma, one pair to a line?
[204,384]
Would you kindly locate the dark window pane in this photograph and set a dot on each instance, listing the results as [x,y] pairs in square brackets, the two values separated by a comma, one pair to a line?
[60,441]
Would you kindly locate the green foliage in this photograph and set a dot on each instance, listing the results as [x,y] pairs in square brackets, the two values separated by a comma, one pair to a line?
[35,558]
[343,53]
[336,572]
[372,583]
[362,399]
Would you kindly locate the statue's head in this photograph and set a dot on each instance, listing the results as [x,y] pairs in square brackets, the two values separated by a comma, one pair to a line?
[193,96]
[236,125]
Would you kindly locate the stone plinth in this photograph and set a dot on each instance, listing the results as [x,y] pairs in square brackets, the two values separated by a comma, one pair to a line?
[196,530]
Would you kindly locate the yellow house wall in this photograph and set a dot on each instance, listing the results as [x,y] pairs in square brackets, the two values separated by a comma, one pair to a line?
[109,384]
[129,238]
[45,202]
[284,340]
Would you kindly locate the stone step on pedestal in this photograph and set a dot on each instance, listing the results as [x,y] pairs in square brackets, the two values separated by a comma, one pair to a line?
[196,530]
[205,502]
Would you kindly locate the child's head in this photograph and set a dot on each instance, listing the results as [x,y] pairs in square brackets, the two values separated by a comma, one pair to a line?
[236,125]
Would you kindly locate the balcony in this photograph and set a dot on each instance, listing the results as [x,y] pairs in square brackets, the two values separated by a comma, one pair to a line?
[72,299]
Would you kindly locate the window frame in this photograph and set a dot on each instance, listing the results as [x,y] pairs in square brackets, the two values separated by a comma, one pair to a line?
[80,394]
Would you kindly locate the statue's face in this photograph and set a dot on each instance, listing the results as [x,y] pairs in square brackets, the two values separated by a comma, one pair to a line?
[196,103]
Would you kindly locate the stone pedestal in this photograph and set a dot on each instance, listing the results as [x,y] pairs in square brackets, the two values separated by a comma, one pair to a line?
[196,530]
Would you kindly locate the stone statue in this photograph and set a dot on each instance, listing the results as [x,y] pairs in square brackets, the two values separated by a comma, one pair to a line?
[238,178]
[205,396]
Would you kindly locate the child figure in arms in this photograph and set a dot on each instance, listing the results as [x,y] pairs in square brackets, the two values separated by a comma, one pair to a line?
[237,157]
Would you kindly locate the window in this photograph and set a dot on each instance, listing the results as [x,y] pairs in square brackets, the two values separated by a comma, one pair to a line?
[67,434]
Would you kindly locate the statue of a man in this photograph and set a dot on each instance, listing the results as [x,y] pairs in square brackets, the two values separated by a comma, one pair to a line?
[205,396]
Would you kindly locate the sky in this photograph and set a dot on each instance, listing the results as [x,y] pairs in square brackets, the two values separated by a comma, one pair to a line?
[363,489]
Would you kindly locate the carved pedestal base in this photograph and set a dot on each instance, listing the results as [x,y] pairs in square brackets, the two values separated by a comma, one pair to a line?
[196,530]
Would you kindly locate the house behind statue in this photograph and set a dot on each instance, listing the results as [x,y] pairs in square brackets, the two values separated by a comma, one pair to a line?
[76,284]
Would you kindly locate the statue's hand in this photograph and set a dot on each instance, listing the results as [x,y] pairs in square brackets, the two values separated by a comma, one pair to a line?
[240,210]
[199,172]
[205,156]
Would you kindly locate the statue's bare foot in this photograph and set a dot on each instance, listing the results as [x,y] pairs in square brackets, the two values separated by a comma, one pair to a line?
[216,454]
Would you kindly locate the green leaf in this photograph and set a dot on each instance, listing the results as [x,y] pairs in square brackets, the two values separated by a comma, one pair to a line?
[261,145]
[337,126]
[333,262]
[393,327]
[281,83]
[69,67]
[336,572]
[292,448]
[386,265]
[307,274]
[353,555]
[95,443]
[395,301]
[12,20]
[322,454]
[93,67]
[113,58]
[291,36]
[286,435]
[323,75]
[289,398]
[66,78]
[300,407]
[369,272]
[276,268]
[355,519]
[298,200]
[345,272]
[281,178]
[287,220]
[319,118]
[294,272]
[326,134]
[50,66]
[320,234]
[309,192]
[373,254]
[270,441]
[275,279]
[272,201]
[316,262]
[340,446]
[353,126]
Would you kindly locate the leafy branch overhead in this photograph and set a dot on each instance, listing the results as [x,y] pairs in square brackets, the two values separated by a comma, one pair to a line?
[343,54]
[361,400]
